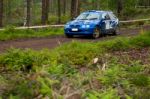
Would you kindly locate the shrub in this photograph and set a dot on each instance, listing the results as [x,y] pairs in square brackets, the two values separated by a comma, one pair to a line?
[141,40]
[114,45]
[53,19]
[76,53]
[109,94]
[16,59]
[140,80]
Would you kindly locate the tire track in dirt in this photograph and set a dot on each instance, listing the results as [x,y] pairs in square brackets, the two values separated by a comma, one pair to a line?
[52,42]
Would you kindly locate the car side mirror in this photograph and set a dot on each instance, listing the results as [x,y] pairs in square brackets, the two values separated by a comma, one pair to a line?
[73,18]
[105,18]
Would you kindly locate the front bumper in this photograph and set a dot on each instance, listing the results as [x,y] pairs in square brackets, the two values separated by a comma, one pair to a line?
[81,31]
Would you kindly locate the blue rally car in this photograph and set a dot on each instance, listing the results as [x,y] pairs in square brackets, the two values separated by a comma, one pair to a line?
[92,23]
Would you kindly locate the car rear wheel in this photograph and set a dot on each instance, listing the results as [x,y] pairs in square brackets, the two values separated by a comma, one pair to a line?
[116,31]
[96,33]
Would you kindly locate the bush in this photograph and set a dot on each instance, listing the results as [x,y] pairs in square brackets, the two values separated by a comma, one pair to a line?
[76,54]
[16,59]
[141,40]
[140,80]
[109,94]
[114,45]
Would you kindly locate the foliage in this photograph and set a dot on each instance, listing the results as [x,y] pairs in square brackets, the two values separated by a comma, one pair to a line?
[10,33]
[108,94]
[69,71]
[17,59]
[67,54]
[15,11]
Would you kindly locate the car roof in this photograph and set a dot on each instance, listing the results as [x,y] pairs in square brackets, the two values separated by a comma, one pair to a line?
[98,11]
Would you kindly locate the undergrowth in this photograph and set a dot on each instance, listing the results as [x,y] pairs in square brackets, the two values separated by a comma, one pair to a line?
[11,33]
[69,71]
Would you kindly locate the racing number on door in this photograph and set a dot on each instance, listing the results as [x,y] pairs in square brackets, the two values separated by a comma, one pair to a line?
[107,22]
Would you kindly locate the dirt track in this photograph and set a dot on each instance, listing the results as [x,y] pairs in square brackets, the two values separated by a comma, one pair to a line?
[52,42]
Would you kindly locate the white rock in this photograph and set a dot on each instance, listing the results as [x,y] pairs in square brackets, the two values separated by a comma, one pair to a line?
[95,60]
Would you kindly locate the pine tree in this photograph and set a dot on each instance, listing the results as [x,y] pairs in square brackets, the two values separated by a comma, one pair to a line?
[64,7]
[28,18]
[59,11]
[1,13]
[75,8]
[119,7]
[45,11]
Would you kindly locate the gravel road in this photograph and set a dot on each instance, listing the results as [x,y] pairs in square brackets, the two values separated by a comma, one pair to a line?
[52,42]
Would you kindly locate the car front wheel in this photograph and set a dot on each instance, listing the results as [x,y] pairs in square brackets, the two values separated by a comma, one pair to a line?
[96,33]
[69,36]
[116,31]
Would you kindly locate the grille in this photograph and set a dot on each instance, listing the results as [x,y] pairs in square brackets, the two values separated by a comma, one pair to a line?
[74,26]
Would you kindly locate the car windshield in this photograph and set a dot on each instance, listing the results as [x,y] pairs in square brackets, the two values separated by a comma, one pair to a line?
[89,16]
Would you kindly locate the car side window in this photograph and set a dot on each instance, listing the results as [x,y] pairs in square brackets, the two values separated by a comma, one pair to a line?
[107,17]
[112,16]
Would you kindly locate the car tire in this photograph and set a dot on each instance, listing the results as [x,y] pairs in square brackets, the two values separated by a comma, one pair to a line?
[69,36]
[96,33]
[116,31]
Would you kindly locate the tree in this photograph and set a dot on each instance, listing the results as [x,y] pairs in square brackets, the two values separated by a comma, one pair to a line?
[28,18]
[72,9]
[75,8]
[64,7]
[119,7]
[59,11]
[1,13]
[78,7]
[45,11]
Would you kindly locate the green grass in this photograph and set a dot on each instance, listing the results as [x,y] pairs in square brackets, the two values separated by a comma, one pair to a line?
[10,33]
[50,73]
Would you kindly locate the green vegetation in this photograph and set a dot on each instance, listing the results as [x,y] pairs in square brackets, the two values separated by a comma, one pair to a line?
[14,12]
[10,33]
[112,69]
[122,70]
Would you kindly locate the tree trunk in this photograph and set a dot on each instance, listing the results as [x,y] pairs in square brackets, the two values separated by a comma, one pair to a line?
[75,8]
[72,9]
[64,7]
[1,13]
[78,7]
[59,12]
[8,10]
[28,18]
[119,7]
[45,11]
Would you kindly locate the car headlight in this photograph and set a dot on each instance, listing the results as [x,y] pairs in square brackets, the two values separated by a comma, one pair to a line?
[85,26]
[67,26]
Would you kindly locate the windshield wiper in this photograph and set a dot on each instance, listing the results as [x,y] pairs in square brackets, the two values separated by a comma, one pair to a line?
[82,19]
[93,19]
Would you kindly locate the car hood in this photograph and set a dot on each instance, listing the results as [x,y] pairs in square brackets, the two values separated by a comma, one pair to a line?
[83,22]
